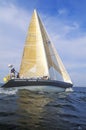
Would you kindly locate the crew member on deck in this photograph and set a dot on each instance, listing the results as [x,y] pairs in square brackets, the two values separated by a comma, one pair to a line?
[12,73]
[17,75]
[45,77]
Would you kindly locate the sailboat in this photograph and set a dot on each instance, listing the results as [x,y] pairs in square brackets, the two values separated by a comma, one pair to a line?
[40,64]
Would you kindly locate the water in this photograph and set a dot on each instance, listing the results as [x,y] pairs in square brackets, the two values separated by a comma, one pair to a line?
[42,109]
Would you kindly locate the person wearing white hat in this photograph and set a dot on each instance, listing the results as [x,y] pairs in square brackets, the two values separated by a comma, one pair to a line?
[12,71]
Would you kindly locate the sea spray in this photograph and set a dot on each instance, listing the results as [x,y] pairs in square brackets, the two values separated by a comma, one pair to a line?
[8,91]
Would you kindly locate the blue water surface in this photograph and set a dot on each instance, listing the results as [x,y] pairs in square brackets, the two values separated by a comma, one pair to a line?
[42,109]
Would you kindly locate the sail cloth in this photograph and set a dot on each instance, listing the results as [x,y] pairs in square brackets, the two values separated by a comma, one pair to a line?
[40,57]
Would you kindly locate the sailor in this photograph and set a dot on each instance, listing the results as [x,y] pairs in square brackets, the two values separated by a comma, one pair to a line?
[17,75]
[12,71]
[45,77]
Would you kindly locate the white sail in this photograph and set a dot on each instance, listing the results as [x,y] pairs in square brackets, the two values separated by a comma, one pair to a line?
[40,57]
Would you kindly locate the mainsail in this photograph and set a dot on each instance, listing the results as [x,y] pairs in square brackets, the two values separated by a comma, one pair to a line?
[40,57]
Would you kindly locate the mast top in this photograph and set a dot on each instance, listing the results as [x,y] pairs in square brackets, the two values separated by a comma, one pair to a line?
[35,11]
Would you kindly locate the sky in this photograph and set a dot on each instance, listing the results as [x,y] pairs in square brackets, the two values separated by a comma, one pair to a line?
[65,22]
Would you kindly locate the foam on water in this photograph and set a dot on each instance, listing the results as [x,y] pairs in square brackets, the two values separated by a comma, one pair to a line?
[42,88]
[69,90]
[8,91]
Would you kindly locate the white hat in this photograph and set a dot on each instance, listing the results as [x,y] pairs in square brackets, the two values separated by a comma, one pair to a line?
[10,65]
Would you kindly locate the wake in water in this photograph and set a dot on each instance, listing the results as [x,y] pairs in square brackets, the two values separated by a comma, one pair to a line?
[40,89]
[8,91]
[69,90]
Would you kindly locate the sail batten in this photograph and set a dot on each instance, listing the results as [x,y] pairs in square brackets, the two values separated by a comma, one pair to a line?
[40,57]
